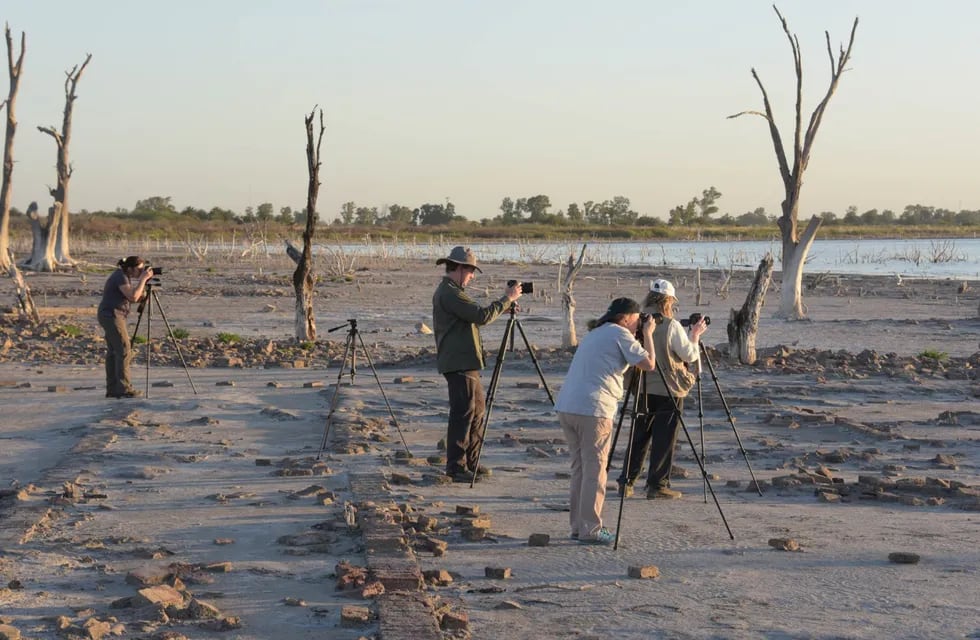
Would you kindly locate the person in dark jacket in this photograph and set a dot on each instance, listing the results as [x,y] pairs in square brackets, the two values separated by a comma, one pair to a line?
[456,320]
[124,286]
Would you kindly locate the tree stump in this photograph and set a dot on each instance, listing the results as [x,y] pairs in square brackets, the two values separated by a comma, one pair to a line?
[743,324]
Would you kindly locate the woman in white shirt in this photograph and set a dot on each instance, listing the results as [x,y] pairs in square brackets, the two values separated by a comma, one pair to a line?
[587,404]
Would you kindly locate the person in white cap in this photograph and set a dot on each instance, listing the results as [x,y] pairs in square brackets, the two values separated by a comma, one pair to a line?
[675,350]
[456,320]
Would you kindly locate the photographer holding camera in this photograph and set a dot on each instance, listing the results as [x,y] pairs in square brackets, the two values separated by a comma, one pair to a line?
[675,350]
[124,286]
[456,320]
[587,404]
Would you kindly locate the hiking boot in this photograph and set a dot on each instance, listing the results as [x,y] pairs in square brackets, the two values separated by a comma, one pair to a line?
[626,489]
[483,472]
[602,536]
[663,493]
[129,393]
[464,475]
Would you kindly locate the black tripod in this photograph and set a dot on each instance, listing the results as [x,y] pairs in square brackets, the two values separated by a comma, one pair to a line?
[353,338]
[495,379]
[635,388]
[728,413]
[149,297]
[632,389]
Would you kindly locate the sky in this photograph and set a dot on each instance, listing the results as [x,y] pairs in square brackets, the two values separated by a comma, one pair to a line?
[470,101]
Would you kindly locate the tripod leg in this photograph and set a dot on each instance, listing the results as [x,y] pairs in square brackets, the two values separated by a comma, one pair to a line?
[491,394]
[694,450]
[630,390]
[348,346]
[629,455]
[704,487]
[394,420]
[149,312]
[173,339]
[731,418]
[534,359]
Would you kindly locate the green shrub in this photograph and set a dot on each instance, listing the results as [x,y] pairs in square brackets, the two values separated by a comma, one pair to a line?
[932,354]
[139,339]
[229,338]
[180,333]
[69,330]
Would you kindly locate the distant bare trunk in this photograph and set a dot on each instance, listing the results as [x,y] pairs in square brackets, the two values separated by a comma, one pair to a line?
[568,337]
[63,167]
[743,325]
[6,186]
[303,277]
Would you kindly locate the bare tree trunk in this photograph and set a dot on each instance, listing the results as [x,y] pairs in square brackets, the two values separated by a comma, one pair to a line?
[794,259]
[743,325]
[6,187]
[568,337]
[42,249]
[25,302]
[303,278]
[63,166]
[795,247]
[697,288]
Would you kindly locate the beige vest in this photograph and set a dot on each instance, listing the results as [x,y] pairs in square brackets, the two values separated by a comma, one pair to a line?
[679,379]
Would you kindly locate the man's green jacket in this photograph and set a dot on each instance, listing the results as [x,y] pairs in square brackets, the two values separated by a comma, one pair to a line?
[456,320]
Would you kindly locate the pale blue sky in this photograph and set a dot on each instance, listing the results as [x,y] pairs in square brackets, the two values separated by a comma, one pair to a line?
[204,101]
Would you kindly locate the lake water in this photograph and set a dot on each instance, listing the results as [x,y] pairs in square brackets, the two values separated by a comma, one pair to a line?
[924,258]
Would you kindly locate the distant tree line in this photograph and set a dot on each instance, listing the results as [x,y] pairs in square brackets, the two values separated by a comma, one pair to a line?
[533,210]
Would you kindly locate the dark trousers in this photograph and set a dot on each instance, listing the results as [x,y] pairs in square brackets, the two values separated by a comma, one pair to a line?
[466,408]
[657,432]
[118,355]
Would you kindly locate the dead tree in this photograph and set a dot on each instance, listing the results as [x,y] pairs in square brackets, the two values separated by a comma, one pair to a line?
[63,166]
[304,278]
[796,245]
[568,337]
[743,325]
[25,302]
[43,237]
[6,187]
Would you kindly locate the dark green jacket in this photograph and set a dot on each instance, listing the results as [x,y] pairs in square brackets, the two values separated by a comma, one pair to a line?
[456,320]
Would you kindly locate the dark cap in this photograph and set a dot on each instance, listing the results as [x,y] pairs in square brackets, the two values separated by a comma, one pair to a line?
[461,255]
[619,306]
[130,261]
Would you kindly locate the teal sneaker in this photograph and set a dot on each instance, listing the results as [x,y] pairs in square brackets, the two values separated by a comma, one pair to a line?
[602,536]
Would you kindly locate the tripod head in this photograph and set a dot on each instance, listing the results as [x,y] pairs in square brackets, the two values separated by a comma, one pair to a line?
[352,323]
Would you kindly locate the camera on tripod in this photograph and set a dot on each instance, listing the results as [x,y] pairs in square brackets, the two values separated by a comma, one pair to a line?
[694,319]
[157,272]
[526,287]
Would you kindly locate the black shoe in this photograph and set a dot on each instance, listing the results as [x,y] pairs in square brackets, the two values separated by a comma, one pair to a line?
[463,476]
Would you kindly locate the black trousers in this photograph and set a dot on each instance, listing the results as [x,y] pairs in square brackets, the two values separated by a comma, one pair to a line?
[467,406]
[657,434]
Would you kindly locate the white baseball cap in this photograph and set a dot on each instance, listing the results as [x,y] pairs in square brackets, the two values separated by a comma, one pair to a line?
[662,286]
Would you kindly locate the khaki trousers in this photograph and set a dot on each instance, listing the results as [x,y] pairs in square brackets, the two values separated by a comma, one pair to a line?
[588,440]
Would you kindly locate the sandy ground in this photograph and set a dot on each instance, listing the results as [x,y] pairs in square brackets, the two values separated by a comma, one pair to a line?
[863,447]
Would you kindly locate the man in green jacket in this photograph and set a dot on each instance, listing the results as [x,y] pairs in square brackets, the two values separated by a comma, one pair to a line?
[456,320]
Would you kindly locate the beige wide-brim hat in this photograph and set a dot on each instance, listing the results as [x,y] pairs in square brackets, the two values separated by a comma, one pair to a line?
[461,255]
